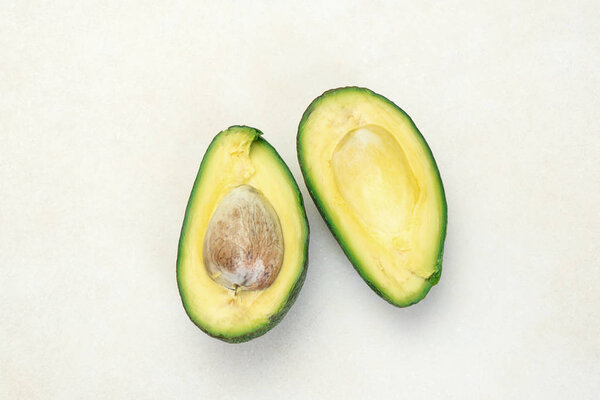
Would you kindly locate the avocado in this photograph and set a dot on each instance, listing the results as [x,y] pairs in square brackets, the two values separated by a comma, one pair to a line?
[376,184]
[243,247]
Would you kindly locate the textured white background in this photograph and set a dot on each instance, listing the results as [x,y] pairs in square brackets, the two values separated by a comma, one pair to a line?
[107,109]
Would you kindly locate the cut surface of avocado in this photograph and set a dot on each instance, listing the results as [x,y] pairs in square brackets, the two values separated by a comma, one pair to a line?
[243,246]
[376,184]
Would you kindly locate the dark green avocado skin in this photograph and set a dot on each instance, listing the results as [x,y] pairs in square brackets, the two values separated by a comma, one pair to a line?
[435,277]
[277,316]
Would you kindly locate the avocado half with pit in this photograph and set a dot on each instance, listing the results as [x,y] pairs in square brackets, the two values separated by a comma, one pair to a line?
[376,184]
[243,247]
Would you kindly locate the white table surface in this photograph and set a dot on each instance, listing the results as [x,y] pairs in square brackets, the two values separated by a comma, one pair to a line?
[107,109]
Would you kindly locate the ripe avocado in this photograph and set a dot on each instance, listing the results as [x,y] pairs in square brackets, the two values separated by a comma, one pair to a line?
[243,247]
[376,184]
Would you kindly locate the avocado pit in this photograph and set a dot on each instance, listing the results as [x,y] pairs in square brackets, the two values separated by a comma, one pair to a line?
[243,246]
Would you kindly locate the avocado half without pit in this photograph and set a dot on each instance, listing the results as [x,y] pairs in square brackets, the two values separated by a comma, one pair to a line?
[376,184]
[244,242]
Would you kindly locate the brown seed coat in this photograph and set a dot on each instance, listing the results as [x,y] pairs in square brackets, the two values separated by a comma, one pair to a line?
[243,245]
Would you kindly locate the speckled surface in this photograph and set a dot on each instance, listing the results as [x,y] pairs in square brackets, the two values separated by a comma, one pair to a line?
[106,110]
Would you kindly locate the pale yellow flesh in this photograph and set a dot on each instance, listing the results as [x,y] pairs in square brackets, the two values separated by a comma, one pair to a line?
[379,188]
[235,160]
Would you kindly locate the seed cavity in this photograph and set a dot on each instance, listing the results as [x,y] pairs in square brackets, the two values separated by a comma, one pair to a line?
[243,246]
[373,175]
